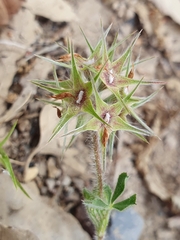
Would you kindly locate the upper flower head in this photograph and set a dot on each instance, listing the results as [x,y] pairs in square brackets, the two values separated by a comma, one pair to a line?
[97,91]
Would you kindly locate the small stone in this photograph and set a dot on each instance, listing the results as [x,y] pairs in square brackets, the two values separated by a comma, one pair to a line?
[174,222]
[164,234]
[53,171]
[119,226]
[50,184]
[66,181]
[31,174]
[24,125]
[42,168]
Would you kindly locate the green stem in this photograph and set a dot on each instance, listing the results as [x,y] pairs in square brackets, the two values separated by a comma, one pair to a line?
[97,160]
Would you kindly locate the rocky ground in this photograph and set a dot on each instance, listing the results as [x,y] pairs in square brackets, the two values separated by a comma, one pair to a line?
[54,178]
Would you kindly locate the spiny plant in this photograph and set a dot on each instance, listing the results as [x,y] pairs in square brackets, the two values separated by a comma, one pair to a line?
[98,94]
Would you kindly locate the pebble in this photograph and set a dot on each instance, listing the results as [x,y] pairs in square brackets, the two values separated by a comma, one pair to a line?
[53,171]
[42,168]
[50,184]
[31,173]
[66,181]
[24,125]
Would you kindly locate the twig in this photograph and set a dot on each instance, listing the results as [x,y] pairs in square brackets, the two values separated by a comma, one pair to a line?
[17,162]
[13,44]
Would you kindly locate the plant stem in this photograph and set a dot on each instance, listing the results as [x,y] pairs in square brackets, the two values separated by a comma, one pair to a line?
[97,161]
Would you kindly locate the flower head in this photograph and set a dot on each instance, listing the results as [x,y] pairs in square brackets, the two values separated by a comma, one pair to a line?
[97,91]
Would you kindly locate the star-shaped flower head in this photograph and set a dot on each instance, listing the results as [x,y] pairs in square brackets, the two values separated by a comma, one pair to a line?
[97,91]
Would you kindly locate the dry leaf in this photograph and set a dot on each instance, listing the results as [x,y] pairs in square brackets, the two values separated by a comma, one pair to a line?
[48,121]
[46,221]
[12,6]
[55,10]
[164,32]
[40,71]
[4,18]
[13,48]
[14,233]
[169,8]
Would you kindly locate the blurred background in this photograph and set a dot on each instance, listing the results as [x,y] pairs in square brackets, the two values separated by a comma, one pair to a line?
[54,178]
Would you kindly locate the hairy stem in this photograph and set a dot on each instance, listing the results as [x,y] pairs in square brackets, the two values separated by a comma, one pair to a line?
[97,161]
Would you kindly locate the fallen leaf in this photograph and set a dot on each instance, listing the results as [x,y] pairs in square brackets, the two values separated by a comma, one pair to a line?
[12,6]
[4,18]
[47,222]
[25,33]
[169,8]
[55,10]
[48,121]
[14,233]
[40,70]
[164,32]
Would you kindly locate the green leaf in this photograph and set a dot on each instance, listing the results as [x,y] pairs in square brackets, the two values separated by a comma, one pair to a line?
[88,195]
[7,165]
[51,89]
[97,203]
[87,41]
[119,186]
[81,119]
[149,131]
[4,160]
[63,121]
[61,64]
[88,107]
[137,63]
[111,50]
[8,135]
[119,63]
[116,44]
[97,51]
[67,84]
[145,100]
[100,203]
[126,203]
[129,96]
[107,193]
[63,47]
[141,137]
[77,81]
[120,124]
